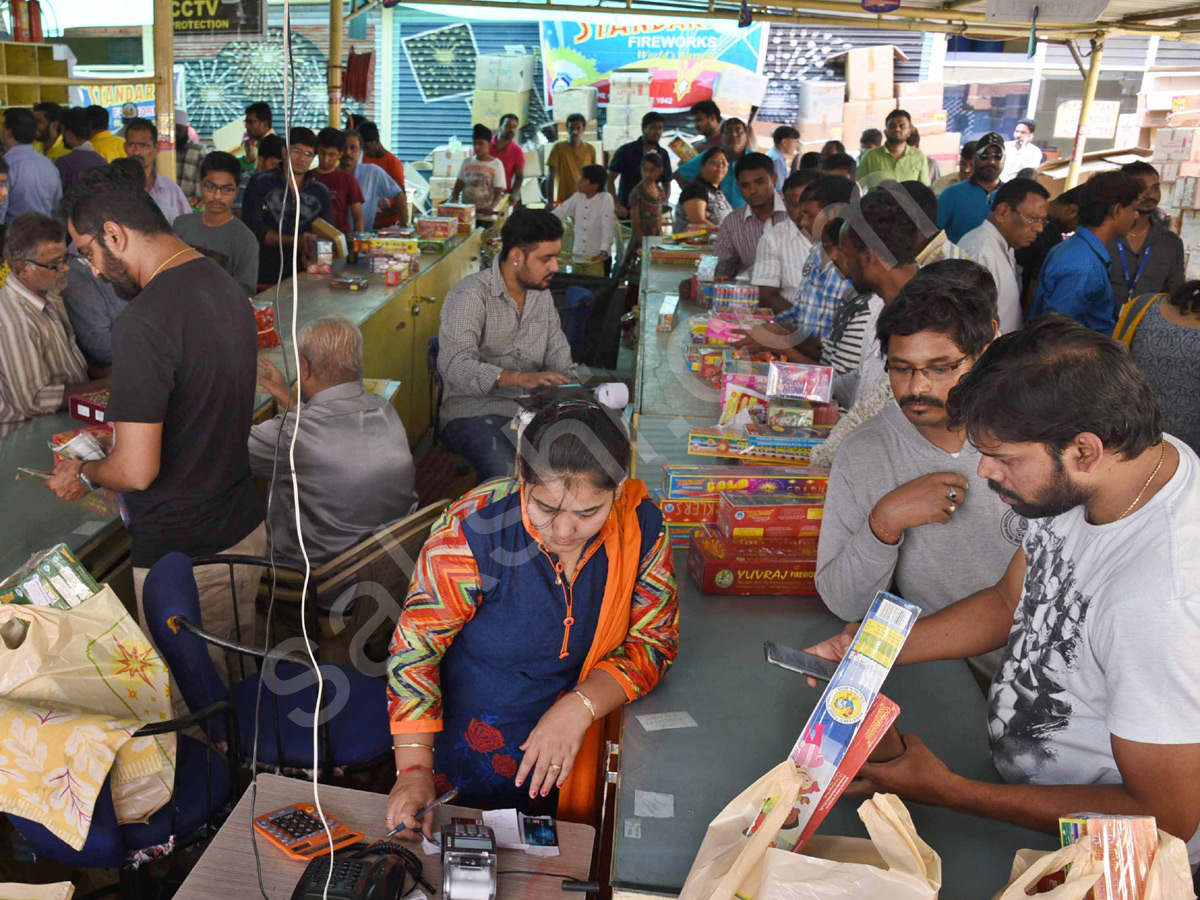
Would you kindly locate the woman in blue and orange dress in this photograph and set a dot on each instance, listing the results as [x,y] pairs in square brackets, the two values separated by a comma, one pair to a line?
[538,606]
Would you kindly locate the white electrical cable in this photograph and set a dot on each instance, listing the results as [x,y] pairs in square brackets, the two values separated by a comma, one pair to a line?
[295,190]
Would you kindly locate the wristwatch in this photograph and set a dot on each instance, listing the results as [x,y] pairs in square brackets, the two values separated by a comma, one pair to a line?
[87,482]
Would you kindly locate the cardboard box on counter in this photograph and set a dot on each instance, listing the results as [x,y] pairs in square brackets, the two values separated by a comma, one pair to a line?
[741,515]
[629,87]
[721,566]
[447,162]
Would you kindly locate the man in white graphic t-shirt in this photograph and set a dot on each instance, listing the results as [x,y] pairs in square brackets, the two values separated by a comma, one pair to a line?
[1095,706]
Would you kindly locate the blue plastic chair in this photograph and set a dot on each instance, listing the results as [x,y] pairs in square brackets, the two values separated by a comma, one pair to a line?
[355,704]
[575,314]
[205,789]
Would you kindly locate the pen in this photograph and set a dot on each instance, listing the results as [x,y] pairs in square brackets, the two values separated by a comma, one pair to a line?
[440,801]
[22,470]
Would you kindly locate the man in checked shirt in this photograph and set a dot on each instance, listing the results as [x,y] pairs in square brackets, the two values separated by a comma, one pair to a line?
[500,337]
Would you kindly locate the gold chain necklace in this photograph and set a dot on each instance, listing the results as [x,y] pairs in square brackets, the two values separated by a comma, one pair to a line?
[168,260]
[1161,456]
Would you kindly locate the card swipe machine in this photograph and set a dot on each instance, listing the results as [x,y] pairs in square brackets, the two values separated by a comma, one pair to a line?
[468,862]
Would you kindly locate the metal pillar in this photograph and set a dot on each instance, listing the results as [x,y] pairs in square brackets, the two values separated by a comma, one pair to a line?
[335,63]
[164,86]
[1089,94]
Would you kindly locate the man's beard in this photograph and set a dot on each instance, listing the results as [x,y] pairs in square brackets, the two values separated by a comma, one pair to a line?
[117,273]
[1060,496]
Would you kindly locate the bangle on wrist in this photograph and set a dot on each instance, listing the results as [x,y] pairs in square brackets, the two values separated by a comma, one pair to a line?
[887,536]
[415,745]
[586,702]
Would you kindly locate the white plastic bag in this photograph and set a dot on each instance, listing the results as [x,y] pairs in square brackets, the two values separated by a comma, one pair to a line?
[895,864]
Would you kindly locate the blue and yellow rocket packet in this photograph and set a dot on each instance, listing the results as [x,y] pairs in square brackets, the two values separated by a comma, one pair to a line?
[845,702]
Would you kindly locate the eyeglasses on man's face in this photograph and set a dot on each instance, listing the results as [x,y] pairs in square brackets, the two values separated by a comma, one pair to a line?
[225,190]
[932,373]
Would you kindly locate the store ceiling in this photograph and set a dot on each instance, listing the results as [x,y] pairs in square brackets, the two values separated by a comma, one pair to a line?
[1173,19]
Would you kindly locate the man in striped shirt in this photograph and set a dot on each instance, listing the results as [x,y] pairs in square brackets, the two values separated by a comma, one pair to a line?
[737,244]
[40,364]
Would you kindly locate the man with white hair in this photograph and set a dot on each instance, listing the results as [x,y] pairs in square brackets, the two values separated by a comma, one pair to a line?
[352,456]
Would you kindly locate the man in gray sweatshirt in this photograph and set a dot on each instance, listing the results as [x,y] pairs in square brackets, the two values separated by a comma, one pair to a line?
[906,509]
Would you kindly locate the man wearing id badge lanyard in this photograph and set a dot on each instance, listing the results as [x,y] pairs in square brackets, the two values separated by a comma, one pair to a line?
[1149,260]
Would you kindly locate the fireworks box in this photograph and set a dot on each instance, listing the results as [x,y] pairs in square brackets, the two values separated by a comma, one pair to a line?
[721,565]
[840,714]
[693,511]
[1124,845]
[744,373]
[53,577]
[438,228]
[349,283]
[732,298]
[407,264]
[700,482]
[89,407]
[742,515]
[463,212]
[735,443]
[706,268]
[879,718]
[703,359]
[385,244]
[786,436]
[102,433]
[801,414]
[264,318]
[794,381]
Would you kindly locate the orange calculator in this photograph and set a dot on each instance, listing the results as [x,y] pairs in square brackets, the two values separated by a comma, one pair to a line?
[298,831]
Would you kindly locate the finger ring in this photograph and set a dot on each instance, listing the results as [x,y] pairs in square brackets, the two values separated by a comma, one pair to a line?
[554,766]
[953,494]
[953,507]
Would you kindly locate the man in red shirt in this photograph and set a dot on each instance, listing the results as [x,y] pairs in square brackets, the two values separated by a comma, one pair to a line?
[374,153]
[347,195]
[506,149]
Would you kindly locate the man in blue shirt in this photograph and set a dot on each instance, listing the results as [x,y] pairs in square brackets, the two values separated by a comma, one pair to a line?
[963,207]
[34,184]
[734,138]
[1075,277]
[377,185]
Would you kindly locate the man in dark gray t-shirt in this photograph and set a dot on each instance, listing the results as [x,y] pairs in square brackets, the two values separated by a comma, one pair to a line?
[215,232]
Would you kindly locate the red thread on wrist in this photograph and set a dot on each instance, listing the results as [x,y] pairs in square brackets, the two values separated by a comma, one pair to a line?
[887,536]
[415,768]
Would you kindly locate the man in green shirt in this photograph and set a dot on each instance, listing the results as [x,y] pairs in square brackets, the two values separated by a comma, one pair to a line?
[895,160]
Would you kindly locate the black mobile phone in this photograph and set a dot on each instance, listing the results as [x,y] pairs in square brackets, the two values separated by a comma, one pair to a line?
[798,661]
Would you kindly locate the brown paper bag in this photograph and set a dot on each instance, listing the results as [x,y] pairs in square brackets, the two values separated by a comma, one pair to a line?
[895,864]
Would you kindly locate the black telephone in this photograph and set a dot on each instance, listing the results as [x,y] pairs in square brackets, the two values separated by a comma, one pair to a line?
[393,873]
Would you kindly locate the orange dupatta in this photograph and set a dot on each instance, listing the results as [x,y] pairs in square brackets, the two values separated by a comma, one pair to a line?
[622,544]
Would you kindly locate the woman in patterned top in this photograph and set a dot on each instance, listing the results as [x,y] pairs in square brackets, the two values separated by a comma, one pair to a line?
[702,205]
[1166,347]
[537,606]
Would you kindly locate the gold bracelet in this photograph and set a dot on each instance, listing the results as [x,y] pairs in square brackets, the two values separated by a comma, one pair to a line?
[428,747]
[586,702]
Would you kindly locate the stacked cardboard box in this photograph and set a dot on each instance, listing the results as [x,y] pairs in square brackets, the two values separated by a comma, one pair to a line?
[820,115]
[926,103]
[628,100]
[1177,158]
[690,494]
[737,91]
[503,83]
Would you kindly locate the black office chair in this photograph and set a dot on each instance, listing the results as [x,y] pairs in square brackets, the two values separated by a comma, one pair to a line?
[435,387]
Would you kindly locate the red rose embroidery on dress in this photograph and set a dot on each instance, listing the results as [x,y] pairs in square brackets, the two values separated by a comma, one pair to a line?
[441,784]
[505,765]
[482,737]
